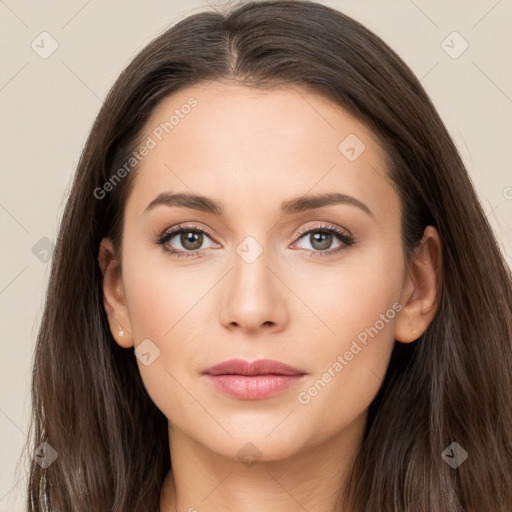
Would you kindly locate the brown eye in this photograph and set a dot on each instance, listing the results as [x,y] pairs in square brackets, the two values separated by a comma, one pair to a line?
[183,241]
[191,240]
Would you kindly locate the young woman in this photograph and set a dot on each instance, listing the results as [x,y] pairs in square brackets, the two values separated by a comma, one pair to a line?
[274,287]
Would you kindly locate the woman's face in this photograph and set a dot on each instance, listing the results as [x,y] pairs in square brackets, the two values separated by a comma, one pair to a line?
[268,282]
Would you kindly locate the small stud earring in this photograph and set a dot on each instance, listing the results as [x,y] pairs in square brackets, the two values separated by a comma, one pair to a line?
[121,332]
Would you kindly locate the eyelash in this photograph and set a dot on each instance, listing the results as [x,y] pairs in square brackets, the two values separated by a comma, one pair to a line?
[347,240]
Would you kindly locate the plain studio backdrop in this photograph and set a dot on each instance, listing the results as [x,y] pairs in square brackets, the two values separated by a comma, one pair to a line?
[58,61]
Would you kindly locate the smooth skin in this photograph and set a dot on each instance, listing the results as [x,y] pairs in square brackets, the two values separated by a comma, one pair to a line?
[250,150]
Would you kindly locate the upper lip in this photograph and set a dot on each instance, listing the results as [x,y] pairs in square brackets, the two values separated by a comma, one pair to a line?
[259,367]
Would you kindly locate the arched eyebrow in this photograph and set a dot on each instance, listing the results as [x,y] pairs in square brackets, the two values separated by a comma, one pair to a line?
[288,207]
[311,202]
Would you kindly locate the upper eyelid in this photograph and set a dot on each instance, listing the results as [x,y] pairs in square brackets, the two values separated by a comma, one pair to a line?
[183,227]
[324,226]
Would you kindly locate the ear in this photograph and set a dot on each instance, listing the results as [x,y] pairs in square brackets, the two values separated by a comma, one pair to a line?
[113,294]
[422,288]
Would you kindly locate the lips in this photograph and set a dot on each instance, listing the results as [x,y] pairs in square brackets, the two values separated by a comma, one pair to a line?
[259,367]
[253,381]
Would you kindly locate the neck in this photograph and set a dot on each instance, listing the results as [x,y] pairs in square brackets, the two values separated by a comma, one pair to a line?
[250,481]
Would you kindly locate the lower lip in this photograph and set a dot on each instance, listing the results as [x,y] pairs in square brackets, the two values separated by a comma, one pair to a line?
[253,387]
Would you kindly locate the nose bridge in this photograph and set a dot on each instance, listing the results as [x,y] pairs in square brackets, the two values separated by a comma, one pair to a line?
[252,295]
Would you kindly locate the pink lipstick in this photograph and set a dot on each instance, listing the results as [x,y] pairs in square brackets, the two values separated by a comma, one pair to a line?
[253,381]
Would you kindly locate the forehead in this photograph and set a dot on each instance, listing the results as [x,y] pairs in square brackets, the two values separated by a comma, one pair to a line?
[261,146]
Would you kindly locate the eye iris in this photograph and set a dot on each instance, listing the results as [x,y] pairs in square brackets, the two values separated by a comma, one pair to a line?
[191,237]
[325,240]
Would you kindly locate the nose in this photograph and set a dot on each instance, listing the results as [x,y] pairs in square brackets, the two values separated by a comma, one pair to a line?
[253,296]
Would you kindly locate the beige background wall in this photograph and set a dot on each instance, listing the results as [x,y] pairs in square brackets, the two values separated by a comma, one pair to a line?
[48,105]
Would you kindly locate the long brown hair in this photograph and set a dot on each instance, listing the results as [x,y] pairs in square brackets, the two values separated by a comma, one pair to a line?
[454,384]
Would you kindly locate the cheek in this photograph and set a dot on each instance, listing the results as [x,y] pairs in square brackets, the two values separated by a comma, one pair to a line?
[365,302]
[355,295]
[164,305]
[161,298]
[360,308]
[349,360]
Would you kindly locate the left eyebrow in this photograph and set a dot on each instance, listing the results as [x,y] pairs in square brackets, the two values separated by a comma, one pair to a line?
[311,202]
[288,207]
